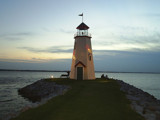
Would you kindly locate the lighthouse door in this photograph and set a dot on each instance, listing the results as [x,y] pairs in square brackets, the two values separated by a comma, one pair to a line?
[79,73]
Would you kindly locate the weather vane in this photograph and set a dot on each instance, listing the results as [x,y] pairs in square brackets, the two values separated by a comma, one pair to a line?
[82,16]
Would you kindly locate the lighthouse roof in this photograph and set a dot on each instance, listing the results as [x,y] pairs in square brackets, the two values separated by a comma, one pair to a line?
[82,26]
[80,63]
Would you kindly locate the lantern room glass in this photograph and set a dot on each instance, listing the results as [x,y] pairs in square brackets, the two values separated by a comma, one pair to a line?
[82,33]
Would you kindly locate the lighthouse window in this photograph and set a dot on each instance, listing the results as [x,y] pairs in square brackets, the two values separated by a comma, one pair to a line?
[90,58]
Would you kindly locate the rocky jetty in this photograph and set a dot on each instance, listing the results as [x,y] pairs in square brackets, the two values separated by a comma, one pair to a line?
[42,89]
[142,102]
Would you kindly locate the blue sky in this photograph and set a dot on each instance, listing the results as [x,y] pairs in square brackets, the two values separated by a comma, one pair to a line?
[39,34]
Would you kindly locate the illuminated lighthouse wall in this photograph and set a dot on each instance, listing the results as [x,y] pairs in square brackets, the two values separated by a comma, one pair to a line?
[82,67]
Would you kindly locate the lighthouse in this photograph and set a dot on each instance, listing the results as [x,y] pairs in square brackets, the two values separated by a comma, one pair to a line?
[82,67]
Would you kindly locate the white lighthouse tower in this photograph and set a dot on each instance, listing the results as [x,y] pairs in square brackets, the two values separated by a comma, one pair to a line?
[82,67]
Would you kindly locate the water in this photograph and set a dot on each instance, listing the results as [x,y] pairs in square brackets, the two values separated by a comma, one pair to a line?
[10,82]
[147,82]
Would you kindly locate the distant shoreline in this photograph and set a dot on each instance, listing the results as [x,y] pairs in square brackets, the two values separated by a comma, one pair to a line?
[67,71]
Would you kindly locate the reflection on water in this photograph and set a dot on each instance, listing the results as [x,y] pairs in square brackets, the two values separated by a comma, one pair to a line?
[10,82]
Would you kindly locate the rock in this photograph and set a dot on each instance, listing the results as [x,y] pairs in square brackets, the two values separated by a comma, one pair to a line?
[42,89]
[142,102]
[25,108]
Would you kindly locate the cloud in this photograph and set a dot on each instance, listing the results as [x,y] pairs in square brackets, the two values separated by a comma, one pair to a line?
[137,52]
[150,14]
[123,61]
[130,38]
[53,49]
[15,36]
[18,34]
[52,64]
[24,34]
[142,39]
[33,60]
[128,61]
[67,31]
[46,29]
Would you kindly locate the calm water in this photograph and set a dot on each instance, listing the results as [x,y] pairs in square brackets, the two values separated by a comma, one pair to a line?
[10,82]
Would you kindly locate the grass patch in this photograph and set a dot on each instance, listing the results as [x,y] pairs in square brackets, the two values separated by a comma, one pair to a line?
[87,100]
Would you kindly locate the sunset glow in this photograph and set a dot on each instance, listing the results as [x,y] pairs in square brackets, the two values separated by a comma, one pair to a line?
[43,31]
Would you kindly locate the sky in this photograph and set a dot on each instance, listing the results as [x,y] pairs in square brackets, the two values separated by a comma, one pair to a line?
[39,34]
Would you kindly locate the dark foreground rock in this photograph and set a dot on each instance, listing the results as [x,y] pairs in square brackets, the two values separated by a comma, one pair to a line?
[42,89]
[142,102]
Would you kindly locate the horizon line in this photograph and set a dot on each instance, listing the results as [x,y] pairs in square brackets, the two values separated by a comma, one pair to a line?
[98,71]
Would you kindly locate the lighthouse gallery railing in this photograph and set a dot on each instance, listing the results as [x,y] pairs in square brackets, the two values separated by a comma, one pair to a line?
[82,34]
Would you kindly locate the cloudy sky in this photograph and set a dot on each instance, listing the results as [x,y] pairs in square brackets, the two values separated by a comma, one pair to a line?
[39,34]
